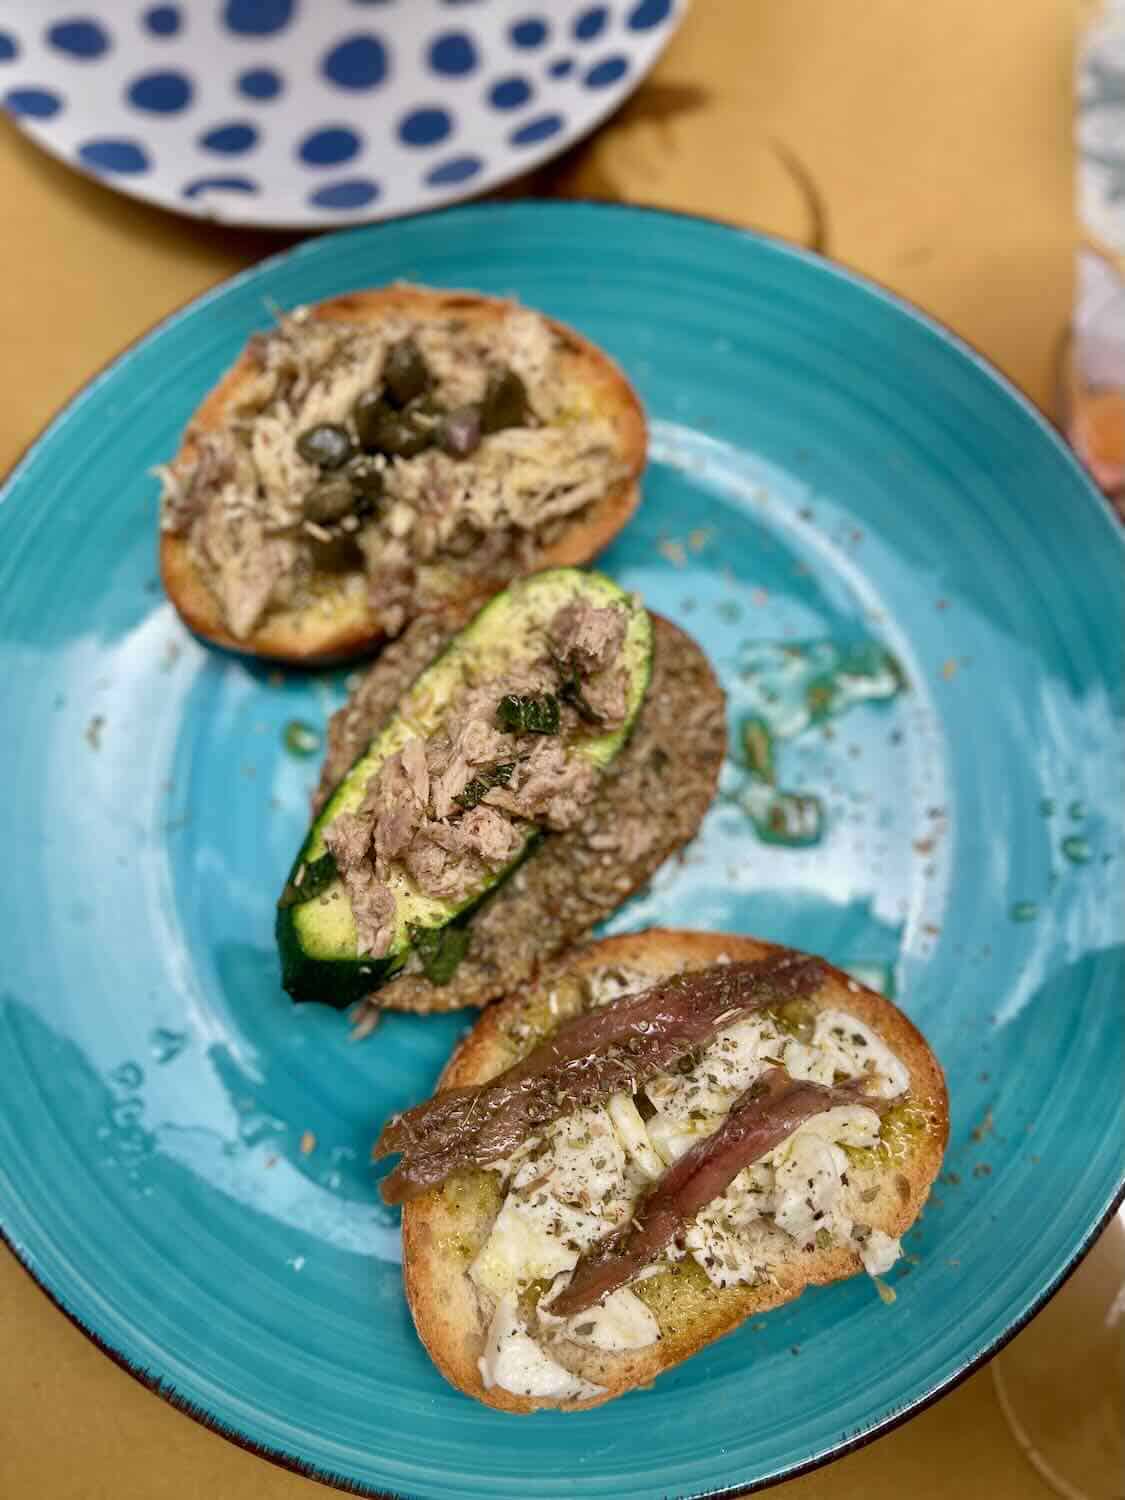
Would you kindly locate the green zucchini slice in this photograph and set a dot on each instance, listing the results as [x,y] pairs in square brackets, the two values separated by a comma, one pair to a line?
[316,931]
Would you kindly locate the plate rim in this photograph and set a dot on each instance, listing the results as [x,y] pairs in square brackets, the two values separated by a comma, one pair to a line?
[55,424]
[207,1419]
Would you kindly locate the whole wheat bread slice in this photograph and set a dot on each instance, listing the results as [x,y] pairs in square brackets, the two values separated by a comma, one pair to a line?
[443,1230]
[649,804]
[342,626]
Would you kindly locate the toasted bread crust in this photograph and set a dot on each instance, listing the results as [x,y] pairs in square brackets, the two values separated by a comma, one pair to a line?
[443,1301]
[347,629]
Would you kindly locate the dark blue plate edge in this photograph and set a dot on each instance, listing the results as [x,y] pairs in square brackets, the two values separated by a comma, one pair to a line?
[283,1460]
[892,1419]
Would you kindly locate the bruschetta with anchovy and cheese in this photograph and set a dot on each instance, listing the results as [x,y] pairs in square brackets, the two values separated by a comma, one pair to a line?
[665,1135]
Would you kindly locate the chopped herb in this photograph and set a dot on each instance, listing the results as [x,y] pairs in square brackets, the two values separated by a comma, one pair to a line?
[300,738]
[823,1239]
[441,950]
[757,744]
[476,790]
[528,715]
[308,881]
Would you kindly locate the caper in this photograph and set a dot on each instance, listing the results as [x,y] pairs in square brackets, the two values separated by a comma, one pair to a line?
[383,430]
[459,431]
[326,445]
[367,414]
[366,481]
[505,402]
[338,552]
[329,500]
[405,374]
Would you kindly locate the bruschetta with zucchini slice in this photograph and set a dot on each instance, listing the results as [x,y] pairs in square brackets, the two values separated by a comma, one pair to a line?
[500,739]
[504,842]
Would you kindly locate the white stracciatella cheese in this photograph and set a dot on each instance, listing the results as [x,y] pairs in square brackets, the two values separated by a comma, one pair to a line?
[631,1132]
[619,1322]
[586,1173]
[515,1362]
[558,1204]
[843,1044]
[878,1252]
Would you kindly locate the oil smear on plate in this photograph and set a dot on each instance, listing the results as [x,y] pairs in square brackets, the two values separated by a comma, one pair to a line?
[791,688]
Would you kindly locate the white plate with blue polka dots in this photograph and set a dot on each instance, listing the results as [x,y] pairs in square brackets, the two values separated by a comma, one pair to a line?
[306,113]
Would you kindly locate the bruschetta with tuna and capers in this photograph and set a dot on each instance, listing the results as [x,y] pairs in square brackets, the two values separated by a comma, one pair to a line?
[665,1135]
[386,453]
[498,783]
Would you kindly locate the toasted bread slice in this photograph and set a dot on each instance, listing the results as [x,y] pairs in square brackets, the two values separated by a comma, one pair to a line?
[650,804]
[443,1230]
[340,624]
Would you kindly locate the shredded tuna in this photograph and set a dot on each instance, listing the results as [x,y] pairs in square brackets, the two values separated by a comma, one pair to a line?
[452,761]
[548,787]
[396,798]
[587,637]
[348,839]
[440,865]
[586,1060]
[443,520]
[246,566]
[490,837]
[373,907]
[607,696]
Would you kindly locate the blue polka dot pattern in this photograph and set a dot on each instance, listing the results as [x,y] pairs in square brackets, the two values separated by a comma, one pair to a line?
[329,147]
[453,54]
[591,23]
[201,185]
[539,129]
[108,155]
[302,111]
[260,83]
[230,139]
[359,62]
[649,13]
[164,93]
[357,192]
[32,104]
[258,17]
[509,93]
[425,127]
[606,72]
[164,20]
[457,169]
[80,38]
[529,33]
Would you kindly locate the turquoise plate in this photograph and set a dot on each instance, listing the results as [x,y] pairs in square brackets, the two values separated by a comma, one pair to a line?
[909,589]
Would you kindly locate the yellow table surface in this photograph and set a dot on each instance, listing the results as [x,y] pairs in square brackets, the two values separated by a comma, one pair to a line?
[936,139]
